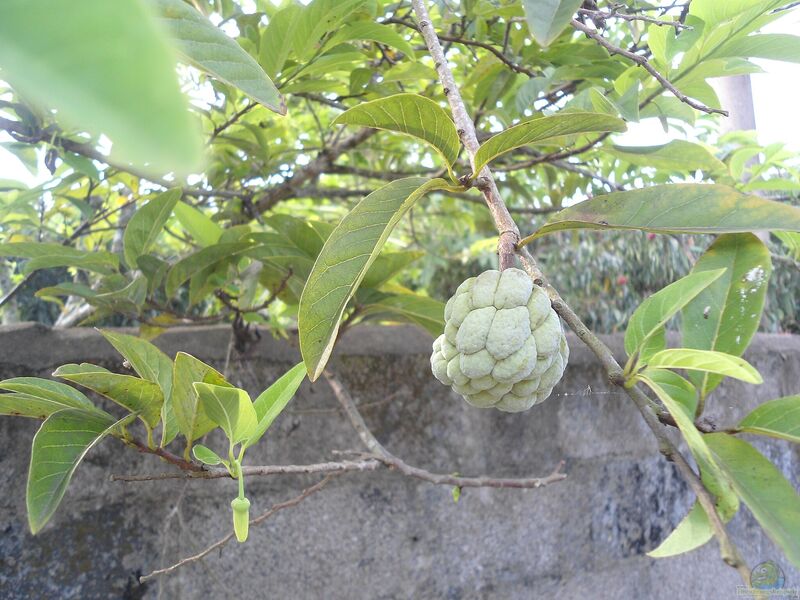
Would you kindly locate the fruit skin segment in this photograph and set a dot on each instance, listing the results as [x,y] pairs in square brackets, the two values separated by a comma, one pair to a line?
[503,345]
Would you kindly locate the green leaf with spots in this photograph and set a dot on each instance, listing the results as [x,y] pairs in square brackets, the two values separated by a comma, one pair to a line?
[208,48]
[345,259]
[59,446]
[676,208]
[777,418]
[541,130]
[137,395]
[725,315]
[411,114]
[40,398]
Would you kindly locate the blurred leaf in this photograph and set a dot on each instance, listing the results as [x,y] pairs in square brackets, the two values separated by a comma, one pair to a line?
[210,49]
[548,18]
[725,315]
[647,323]
[676,208]
[543,129]
[191,265]
[204,231]
[412,308]
[387,265]
[43,255]
[146,224]
[777,418]
[137,395]
[368,30]
[773,46]
[677,155]
[791,240]
[411,114]
[106,68]
[345,259]
[772,500]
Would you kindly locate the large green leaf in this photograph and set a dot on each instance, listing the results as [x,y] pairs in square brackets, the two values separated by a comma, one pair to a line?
[706,361]
[777,418]
[137,395]
[649,319]
[44,255]
[548,18]
[774,46]
[274,399]
[145,225]
[676,208]
[725,315]
[277,39]
[544,129]
[58,448]
[772,500]
[204,231]
[230,408]
[40,398]
[192,419]
[210,49]
[151,364]
[107,68]
[411,114]
[345,259]
[316,20]
[204,258]
[387,265]
[677,155]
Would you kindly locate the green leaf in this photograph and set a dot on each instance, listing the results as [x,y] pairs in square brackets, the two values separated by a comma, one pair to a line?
[204,258]
[40,398]
[151,364]
[548,18]
[772,46]
[277,39]
[368,30]
[676,208]
[411,114]
[678,388]
[316,20]
[777,418]
[725,316]
[772,500]
[274,399]
[677,155]
[211,50]
[145,225]
[206,455]
[652,315]
[106,68]
[44,255]
[137,395]
[792,242]
[192,419]
[411,308]
[707,361]
[58,448]
[345,259]
[387,265]
[204,231]
[692,532]
[230,408]
[543,129]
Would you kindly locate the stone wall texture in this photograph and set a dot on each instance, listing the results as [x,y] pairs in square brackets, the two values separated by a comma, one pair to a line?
[380,535]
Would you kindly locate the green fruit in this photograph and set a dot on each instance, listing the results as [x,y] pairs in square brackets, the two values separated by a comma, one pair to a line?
[241,517]
[503,345]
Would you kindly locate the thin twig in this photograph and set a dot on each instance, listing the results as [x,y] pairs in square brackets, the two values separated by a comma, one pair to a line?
[613,14]
[253,523]
[645,64]
[378,451]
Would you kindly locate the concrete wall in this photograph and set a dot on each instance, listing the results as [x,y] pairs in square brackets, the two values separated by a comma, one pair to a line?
[380,535]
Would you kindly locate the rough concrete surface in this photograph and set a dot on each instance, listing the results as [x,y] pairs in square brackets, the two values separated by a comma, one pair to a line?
[379,535]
